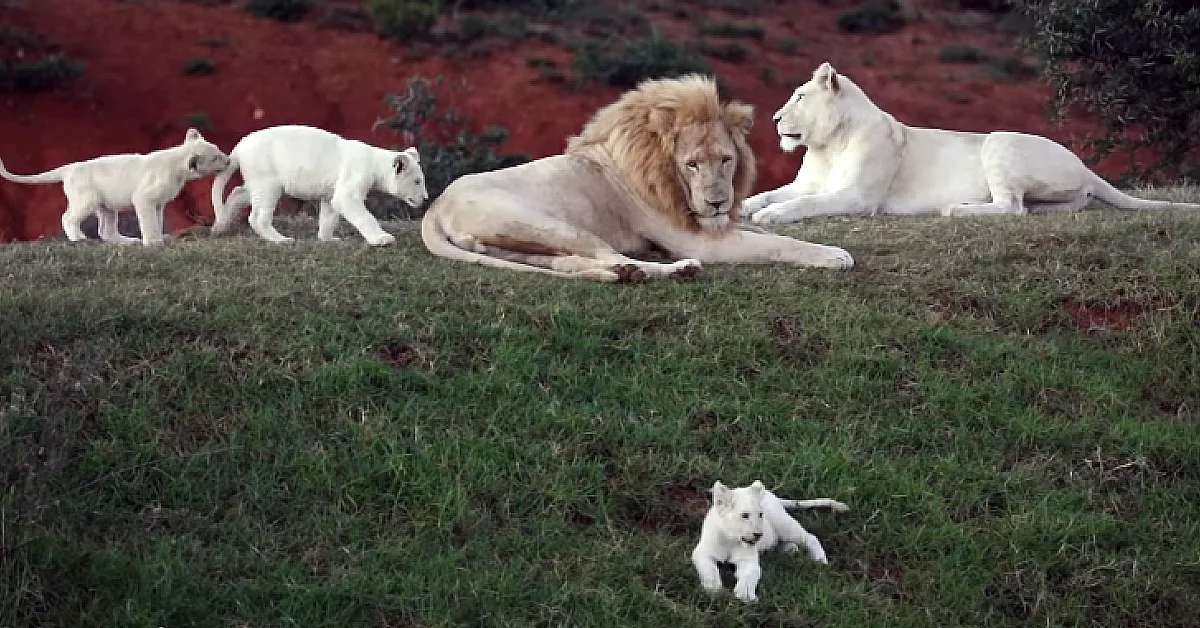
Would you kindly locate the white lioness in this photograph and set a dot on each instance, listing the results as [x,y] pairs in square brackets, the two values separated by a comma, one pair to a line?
[664,168]
[146,182]
[308,163]
[860,160]
[743,522]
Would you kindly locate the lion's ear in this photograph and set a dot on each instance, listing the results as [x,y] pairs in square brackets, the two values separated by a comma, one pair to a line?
[721,495]
[191,135]
[739,116]
[662,120]
[757,488]
[827,77]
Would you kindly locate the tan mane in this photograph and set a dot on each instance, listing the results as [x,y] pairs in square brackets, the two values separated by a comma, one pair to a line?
[639,131]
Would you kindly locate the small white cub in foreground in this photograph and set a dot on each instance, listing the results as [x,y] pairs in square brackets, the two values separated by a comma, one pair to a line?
[745,521]
[106,185]
[313,164]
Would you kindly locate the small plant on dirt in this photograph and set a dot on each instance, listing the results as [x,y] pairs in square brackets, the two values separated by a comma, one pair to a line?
[787,44]
[198,120]
[872,16]
[729,51]
[540,62]
[625,64]
[199,66]
[746,30]
[767,75]
[1009,69]
[448,149]
[958,53]
[282,10]
[404,19]
[38,74]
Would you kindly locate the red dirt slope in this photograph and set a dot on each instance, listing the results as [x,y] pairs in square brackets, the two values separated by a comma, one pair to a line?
[134,96]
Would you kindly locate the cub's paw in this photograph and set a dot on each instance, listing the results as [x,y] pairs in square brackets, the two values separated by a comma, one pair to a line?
[836,258]
[744,592]
[381,240]
[790,548]
[711,585]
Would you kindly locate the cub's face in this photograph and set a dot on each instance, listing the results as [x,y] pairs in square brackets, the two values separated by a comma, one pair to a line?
[204,158]
[740,511]
[406,180]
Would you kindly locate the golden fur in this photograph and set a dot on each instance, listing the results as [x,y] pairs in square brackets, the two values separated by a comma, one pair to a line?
[664,168]
[640,129]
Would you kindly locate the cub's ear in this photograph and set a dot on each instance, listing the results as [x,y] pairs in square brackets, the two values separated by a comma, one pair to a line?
[739,116]
[721,495]
[662,120]
[192,135]
[827,77]
[411,151]
[757,488]
[399,164]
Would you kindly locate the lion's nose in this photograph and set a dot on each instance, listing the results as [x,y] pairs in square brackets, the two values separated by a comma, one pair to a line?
[716,205]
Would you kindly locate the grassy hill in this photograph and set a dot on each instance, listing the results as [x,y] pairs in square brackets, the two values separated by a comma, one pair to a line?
[227,433]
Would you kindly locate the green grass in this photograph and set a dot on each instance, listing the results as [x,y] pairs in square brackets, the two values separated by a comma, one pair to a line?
[228,433]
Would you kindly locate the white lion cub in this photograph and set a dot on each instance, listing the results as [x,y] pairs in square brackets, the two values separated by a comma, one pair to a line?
[861,160]
[145,182]
[743,522]
[313,164]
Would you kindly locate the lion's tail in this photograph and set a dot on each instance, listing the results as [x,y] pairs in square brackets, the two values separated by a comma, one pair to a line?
[439,242]
[53,176]
[1104,191]
[823,502]
[222,210]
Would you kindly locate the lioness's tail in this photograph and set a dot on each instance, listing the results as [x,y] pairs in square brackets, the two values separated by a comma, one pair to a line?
[823,502]
[53,176]
[1104,191]
[438,241]
[224,212]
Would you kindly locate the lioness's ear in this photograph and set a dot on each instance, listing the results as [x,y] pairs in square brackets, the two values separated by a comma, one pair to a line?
[827,77]
[720,494]
[739,116]
[411,151]
[191,135]
[398,163]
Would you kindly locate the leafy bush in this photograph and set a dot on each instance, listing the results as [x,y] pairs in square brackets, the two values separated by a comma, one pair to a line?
[282,10]
[1134,63]
[787,44]
[748,30]
[38,74]
[448,150]
[958,53]
[629,63]
[199,66]
[873,16]
[404,19]
[1009,69]
[729,51]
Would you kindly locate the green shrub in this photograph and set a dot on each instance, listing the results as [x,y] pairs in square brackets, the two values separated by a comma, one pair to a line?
[403,19]
[199,66]
[730,51]
[198,120]
[282,10]
[958,53]
[872,16]
[748,30]
[787,44]
[34,75]
[448,150]
[627,64]
[472,27]
[1135,64]
[1009,69]
[540,62]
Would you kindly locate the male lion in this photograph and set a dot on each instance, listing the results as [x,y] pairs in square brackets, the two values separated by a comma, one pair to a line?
[663,168]
[145,182]
[860,160]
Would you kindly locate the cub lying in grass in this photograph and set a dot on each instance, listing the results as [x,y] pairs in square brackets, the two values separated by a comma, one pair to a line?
[745,521]
[313,164]
[108,184]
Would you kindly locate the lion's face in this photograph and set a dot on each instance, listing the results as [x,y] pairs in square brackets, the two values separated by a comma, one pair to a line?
[813,112]
[405,179]
[204,158]
[740,510]
[706,159]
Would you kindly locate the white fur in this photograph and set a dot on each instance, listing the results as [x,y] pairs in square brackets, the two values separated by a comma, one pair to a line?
[146,182]
[743,522]
[313,164]
[861,160]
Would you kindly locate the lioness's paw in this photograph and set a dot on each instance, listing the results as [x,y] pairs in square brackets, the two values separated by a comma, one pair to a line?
[381,240]
[744,592]
[773,215]
[754,203]
[837,259]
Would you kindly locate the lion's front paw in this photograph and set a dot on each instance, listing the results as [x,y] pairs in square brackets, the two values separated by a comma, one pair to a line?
[686,268]
[381,240]
[744,592]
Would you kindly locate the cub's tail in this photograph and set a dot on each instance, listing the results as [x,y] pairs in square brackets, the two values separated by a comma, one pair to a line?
[1104,191]
[222,210]
[823,502]
[53,176]
[464,248]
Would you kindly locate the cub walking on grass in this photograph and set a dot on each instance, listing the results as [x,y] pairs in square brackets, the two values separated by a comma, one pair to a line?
[743,522]
[308,163]
[146,182]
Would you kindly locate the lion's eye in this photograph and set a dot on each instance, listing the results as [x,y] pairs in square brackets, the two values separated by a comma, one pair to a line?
[726,159]
[745,515]
[693,165]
